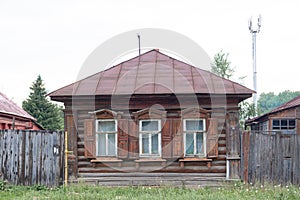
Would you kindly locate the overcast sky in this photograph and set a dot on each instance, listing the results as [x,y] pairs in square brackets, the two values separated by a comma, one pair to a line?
[53,38]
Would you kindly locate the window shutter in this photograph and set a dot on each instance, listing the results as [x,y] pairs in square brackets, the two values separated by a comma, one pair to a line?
[166,137]
[89,138]
[72,135]
[212,138]
[122,138]
[177,138]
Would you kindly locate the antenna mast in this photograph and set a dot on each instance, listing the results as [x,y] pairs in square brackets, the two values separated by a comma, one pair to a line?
[254,31]
[139,39]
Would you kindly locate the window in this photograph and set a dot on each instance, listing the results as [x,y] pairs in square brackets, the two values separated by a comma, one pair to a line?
[284,125]
[106,138]
[150,137]
[263,126]
[194,137]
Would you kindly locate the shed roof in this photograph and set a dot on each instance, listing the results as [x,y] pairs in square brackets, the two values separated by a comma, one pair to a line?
[7,106]
[152,73]
[295,102]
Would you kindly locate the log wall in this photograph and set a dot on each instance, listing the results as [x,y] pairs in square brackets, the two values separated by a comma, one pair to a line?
[78,110]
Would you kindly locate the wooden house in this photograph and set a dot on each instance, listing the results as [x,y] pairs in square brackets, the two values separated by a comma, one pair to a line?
[14,117]
[284,119]
[152,113]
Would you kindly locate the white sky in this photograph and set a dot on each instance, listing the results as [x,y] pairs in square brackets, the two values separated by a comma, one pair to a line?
[53,38]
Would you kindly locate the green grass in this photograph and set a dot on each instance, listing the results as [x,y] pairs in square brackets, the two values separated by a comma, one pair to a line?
[81,191]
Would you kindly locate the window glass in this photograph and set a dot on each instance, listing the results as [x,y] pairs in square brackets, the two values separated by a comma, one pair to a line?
[106,126]
[199,143]
[145,144]
[189,143]
[111,149]
[149,126]
[101,140]
[276,122]
[154,145]
[292,124]
[194,125]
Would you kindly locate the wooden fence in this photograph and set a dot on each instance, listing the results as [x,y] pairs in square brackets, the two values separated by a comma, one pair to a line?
[270,158]
[31,157]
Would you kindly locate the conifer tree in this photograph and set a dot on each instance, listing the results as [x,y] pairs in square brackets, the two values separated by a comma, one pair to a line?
[48,115]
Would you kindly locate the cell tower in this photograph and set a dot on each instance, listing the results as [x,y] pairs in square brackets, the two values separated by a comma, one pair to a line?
[254,31]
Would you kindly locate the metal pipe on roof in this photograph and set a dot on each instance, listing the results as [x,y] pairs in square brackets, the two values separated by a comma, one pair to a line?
[139,38]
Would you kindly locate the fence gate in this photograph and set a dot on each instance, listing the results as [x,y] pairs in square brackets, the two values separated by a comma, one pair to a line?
[31,157]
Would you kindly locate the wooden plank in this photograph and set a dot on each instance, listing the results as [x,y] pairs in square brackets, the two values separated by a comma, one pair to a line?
[89,138]
[22,158]
[28,158]
[245,155]
[177,132]
[55,176]
[166,137]
[296,164]
[2,150]
[20,161]
[133,139]
[35,153]
[123,138]
[10,155]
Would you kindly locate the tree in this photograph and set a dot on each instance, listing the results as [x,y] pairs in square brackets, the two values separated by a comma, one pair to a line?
[221,67]
[48,115]
[269,101]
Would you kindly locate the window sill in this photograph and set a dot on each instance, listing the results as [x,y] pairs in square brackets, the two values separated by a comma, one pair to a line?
[207,160]
[106,160]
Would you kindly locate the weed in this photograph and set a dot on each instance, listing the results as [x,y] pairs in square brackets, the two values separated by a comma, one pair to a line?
[3,185]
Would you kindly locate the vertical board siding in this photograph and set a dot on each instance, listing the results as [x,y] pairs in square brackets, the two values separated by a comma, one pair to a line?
[27,157]
[270,158]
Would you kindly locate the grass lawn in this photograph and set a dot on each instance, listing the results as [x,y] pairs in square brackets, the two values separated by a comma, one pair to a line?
[81,191]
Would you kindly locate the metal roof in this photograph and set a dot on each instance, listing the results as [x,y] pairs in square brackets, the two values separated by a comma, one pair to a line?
[152,73]
[295,102]
[290,104]
[7,106]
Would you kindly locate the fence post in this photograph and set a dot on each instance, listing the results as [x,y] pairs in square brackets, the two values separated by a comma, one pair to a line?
[245,155]
[233,145]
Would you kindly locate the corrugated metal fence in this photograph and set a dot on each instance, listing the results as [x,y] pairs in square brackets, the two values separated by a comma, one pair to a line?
[270,158]
[31,157]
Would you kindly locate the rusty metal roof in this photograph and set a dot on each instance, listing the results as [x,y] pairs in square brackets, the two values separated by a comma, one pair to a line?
[295,102]
[152,73]
[7,106]
[290,104]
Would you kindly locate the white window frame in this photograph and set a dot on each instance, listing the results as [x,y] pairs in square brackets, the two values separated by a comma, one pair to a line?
[106,138]
[150,138]
[195,142]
